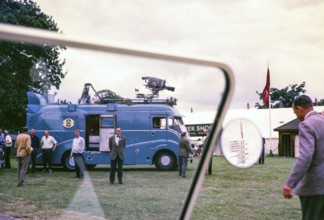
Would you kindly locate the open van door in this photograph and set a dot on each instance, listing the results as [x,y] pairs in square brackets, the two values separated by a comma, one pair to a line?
[107,129]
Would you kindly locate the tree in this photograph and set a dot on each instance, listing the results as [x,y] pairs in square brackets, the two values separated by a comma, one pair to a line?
[283,98]
[25,67]
[104,95]
[318,103]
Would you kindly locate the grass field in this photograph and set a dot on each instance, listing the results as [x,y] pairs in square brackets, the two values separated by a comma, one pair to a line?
[229,193]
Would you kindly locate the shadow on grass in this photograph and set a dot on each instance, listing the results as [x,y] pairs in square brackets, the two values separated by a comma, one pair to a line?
[127,168]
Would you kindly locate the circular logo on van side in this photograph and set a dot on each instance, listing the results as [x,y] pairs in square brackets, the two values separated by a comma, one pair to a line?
[137,151]
[68,123]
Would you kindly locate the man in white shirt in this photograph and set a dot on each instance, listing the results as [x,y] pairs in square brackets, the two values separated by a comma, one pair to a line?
[78,147]
[48,144]
[8,145]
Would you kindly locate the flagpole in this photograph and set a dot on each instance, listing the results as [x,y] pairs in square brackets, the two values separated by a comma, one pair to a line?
[266,97]
[270,127]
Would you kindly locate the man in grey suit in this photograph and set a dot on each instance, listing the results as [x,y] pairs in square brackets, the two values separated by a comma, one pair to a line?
[117,145]
[307,175]
[184,150]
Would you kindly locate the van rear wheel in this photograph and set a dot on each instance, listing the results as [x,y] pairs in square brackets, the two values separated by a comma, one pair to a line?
[165,161]
[68,162]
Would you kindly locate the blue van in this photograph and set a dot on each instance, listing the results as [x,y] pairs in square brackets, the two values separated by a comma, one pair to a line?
[152,130]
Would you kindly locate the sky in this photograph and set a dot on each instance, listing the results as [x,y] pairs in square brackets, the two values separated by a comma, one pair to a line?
[246,35]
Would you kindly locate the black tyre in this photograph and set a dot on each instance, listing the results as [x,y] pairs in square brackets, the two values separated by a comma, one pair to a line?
[165,161]
[67,162]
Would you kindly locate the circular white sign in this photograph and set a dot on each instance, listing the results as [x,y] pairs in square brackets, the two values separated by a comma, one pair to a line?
[241,143]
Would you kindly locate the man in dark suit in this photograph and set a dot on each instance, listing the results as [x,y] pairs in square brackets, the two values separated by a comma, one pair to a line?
[117,145]
[35,143]
[307,175]
[184,151]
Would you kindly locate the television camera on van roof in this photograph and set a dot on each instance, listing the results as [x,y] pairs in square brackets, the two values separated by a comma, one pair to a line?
[156,85]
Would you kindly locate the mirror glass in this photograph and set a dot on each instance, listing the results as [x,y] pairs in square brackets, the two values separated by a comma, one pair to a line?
[241,143]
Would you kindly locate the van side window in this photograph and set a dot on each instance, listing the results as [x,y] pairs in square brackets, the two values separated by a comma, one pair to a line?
[159,122]
[171,122]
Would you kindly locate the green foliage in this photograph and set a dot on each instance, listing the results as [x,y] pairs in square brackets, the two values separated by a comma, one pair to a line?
[318,103]
[282,98]
[104,96]
[25,67]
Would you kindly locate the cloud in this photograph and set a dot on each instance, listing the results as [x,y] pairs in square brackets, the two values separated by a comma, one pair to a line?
[244,34]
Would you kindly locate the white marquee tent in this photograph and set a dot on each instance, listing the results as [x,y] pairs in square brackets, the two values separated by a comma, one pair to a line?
[260,117]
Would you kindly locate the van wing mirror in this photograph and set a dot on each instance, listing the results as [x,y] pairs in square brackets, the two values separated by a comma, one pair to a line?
[241,143]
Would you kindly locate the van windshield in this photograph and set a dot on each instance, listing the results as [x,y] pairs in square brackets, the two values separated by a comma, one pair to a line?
[179,125]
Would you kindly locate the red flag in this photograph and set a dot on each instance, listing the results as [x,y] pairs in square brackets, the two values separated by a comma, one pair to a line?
[266,90]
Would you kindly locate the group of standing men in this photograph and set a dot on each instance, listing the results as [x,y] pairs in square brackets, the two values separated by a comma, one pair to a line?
[185,150]
[28,145]
[306,178]
[117,144]
[27,148]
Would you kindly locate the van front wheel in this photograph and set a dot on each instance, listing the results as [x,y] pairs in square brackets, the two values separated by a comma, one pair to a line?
[165,161]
